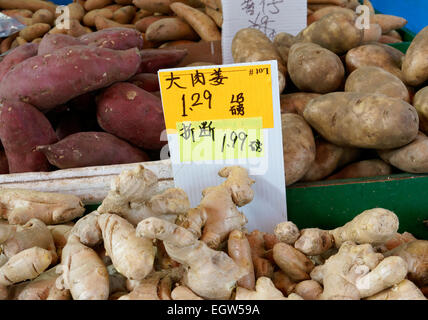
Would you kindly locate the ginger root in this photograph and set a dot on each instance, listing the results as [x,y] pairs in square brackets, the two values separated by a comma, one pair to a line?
[405,290]
[314,241]
[265,290]
[19,206]
[240,251]
[294,263]
[287,232]
[88,230]
[134,195]
[308,289]
[184,293]
[210,274]
[262,266]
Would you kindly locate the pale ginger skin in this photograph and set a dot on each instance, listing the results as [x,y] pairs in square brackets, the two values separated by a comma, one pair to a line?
[184,293]
[287,232]
[314,241]
[294,263]
[240,251]
[33,234]
[308,289]
[265,290]
[210,274]
[88,230]
[41,288]
[415,253]
[405,290]
[134,195]
[262,266]
[7,230]
[218,207]
[136,262]
[398,240]
[357,271]
[83,272]
[19,206]
[60,234]
[25,265]
[146,290]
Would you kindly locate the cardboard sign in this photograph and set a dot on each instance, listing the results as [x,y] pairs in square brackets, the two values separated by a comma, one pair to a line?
[268,16]
[226,115]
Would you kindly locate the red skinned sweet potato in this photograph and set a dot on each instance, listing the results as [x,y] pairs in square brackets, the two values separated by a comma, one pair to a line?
[154,59]
[16,56]
[22,128]
[53,79]
[146,81]
[133,114]
[85,149]
[51,42]
[4,166]
[114,38]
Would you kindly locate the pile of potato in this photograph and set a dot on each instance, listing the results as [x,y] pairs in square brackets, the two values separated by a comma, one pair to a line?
[352,106]
[146,243]
[159,21]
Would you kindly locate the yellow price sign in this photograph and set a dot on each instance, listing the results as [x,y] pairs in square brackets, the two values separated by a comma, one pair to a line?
[218,93]
[220,139]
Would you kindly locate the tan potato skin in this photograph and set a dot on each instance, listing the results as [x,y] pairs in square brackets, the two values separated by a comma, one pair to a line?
[374,55]
[43,16]
[299,147]
[296,102]
[328,158]
[372,121]
[170,29]
[124,15]
[251,45]
[410,158]
[315,69]
[415,64]
[96,4]
[363,169]
[376,80]
[374,33]
[420,102]
[34,31]
[89,18]
[335,31]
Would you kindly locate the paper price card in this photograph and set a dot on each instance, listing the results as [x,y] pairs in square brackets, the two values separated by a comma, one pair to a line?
[226,115]
[268,16]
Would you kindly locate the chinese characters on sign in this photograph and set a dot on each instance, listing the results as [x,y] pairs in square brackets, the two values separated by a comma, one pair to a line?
[262,15]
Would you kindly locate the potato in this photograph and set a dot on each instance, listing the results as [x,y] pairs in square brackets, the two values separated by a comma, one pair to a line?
[373,121]
[336,32]
[283,41]
[204,26]
[43,16]
[299,147]
[53,79]
[409,158]
[415,64]
[34,31]
[376,80]
[17,56]
[389,22]
[376,56]
[32,5]
[89,18]
[374,33]
[4,166]
[96,4]
[315,69]
[146,81]
[85,149]
[132,114]
[22,128]
[251,45]
[154,59]
[296,102]
[125,14]
[170,29]
[114,38]
[53,42]
[328,158]
[217,16]
[363,169]
[420,102]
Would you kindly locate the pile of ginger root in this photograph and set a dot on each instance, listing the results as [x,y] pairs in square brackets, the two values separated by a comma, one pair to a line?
[147,243]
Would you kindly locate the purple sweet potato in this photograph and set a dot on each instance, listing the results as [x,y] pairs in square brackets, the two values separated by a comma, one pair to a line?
[16,56]
[86,149]
[22,128]
[53,79]
[114,38]
[4,166]
[146,81]
[52,42]
[133,114]
[154,59]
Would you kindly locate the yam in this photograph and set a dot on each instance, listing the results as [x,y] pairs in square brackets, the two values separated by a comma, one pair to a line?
[43,16]
[102,23]
[146,81]
[32,5]
[89,18]
[53,42]
[154,59]
[114,38]
[124,15]
[85,149]
[170,29]
[17,56]
[96,4]
[34,31]
[142,24]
